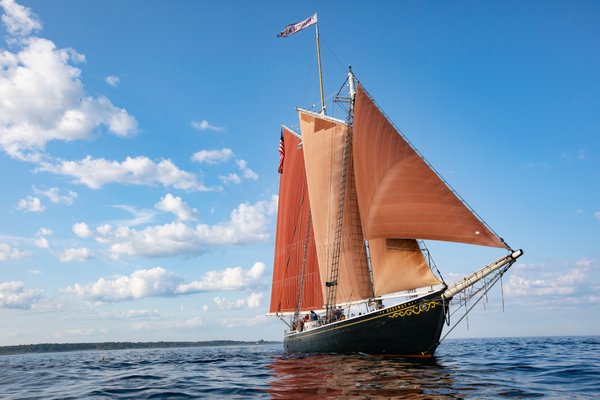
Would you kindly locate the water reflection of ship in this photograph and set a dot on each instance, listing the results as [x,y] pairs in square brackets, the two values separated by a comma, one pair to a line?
[358,376]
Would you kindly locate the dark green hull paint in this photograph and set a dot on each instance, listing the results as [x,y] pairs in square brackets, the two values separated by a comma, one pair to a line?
[408,329]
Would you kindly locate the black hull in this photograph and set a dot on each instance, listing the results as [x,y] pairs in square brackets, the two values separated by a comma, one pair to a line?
[408,329]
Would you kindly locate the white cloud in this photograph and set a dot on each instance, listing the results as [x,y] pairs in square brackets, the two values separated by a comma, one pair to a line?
[188,323]
[205,126]
[132,314]
[80,332]
[177,206]
[141,314]
[82,230]
[159,240]
[240,322]
[530,281]
[34,203]
[42,243]
[160,282]
[205,307]
[44,232]
[597,215]
[140,216]
[9,253]
[227,279]
[19,20]
[234,178]
[95,173]
[53,194]
[75,254]
[14,295]
[112,80]
[104,230]
[222,302]
[41,95]
[248,223]
[584,262]
[43,99]
[252,301]
[31,204]
[247,172]
[230,178]
[212,156]
[141,283]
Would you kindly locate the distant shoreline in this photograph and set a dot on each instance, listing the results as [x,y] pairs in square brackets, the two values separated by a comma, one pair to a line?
[64,347]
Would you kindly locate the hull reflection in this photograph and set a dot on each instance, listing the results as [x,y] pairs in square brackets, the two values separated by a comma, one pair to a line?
[358,376]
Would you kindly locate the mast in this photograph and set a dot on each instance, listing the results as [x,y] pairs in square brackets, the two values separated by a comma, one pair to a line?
[320,70]
[332,283]
[352,91]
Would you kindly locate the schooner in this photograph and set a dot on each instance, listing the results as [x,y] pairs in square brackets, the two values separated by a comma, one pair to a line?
[356,201]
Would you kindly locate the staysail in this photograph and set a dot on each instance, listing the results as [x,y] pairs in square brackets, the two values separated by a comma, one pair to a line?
[322,140]
[292,228]
[398,264]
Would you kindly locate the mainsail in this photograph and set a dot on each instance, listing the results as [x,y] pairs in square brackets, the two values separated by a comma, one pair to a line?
[294,238]
[322,139]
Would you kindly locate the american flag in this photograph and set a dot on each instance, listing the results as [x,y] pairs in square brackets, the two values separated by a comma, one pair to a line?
[281,154]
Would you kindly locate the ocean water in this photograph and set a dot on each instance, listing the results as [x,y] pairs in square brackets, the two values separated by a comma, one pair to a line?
[553,368]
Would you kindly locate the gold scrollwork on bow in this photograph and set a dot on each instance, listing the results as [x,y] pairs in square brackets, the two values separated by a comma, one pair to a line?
[414,310]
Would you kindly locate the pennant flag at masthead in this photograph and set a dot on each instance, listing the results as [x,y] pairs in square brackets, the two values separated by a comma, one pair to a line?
[298,26]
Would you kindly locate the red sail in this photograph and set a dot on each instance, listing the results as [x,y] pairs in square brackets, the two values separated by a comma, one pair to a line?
[292,224]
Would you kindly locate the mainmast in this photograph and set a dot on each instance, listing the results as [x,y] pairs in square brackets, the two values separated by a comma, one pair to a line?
[298,26]
[332,283]
[320,70]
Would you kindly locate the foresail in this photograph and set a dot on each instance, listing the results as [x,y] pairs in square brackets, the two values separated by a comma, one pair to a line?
[322,140]
[292,225]
[399,195]
[398,264]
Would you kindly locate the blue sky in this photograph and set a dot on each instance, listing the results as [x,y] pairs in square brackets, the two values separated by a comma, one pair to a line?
[138,154]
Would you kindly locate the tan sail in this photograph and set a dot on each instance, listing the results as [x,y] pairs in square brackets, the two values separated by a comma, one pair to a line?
[322,140]
[292,225]
[398,264]
[399,195]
